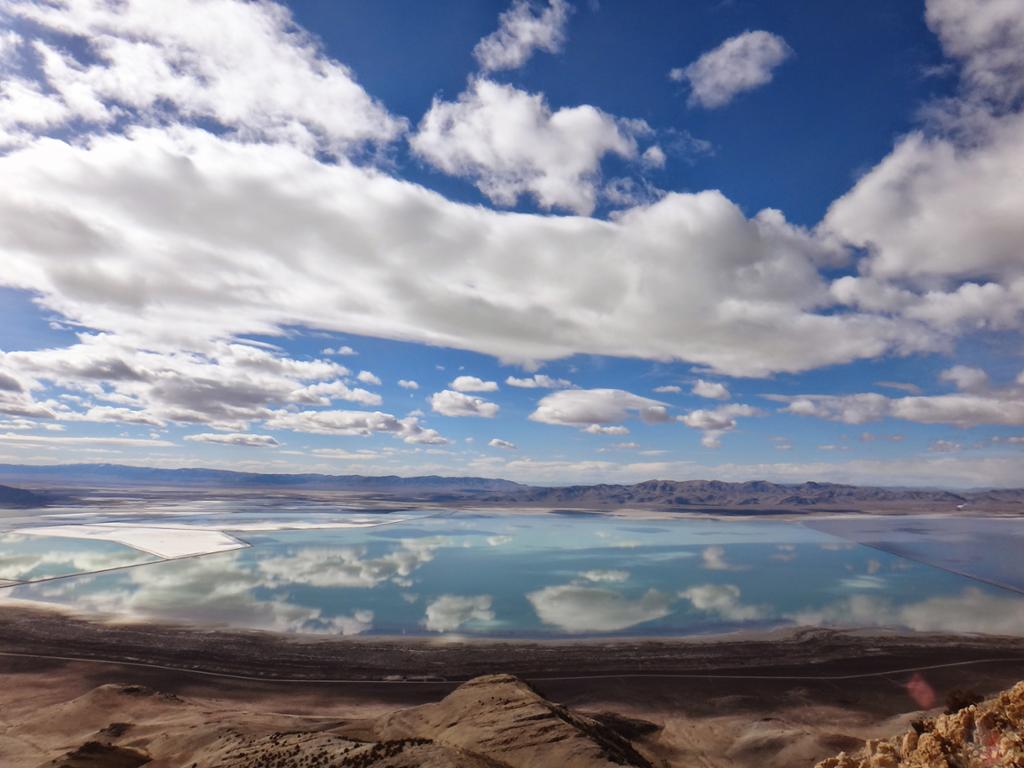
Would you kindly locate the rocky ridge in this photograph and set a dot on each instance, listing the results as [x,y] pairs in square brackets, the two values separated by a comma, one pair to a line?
[986,735]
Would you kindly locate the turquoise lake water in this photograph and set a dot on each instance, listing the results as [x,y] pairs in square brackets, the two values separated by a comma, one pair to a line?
[530,576]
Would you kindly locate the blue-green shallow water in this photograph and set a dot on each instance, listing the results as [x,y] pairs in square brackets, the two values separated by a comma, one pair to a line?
[544,576]
[23,558]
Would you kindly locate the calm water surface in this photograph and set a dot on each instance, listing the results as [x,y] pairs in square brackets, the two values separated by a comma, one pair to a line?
[521,576]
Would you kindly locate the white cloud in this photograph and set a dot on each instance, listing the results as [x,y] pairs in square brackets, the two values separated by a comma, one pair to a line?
[594,407]
[345,351]
[521,31]
[722,600]
[235,438]
[369,378]
[497,442]
[266,79]
[166,289]
[10,41]
[510,143]
[964,409]
[449,612]
[575,608]
[597,429]
[408,384]
[538,381]
[965,378]
[226,387]
[746,304]
[927,471]
[988,36]
[71,441]
[713,390]
[339,453]
[739,64]
[354,424]
[667,389]
[473,384]
[715,423]
[605,576]
[449,403]
[324,392]
[653,157]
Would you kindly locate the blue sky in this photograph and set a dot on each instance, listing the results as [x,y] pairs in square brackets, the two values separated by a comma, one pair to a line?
[595,241]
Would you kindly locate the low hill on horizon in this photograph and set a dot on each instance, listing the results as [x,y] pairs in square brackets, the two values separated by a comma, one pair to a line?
[21,498]
[662,494]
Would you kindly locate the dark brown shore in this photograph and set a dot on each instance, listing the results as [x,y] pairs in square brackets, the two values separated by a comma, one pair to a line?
[792,697]
[800,652]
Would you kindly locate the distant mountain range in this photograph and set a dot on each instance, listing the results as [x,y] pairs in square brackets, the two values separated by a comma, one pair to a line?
[99,475]
[756,493]
[659,494]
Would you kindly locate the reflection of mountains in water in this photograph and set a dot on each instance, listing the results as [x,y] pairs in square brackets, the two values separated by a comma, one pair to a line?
[983,549]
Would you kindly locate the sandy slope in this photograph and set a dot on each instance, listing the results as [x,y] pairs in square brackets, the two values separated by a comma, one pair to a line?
[51,717]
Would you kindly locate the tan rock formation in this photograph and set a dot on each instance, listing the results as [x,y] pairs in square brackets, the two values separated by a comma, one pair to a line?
[986,735]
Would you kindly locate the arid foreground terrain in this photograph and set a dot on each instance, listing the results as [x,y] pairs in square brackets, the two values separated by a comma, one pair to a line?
[84,694]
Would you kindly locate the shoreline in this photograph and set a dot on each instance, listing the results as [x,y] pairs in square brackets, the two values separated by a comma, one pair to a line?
[793,652]
[745,700]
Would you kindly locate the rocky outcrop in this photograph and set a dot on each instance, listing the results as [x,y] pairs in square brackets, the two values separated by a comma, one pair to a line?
[496,721]
[986,735]
[504,719]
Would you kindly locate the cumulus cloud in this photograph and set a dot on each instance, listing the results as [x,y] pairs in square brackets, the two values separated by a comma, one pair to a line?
[322,393]
[576,608]
[235,438]
[605,575]
[473,384]
[723,600]
[988,37]
[965,378]
[739,64]
[538,381]
[10,384]
[595,407]
[369,378]
[667,389]
[523,29]
[450,403]
[354,424]
[979,405]
[653,157]
[510,143]
[497,442]
[598,429]
[713,390]
[344,351]
[940,217]
[408,384]
[715,423]
[138,58]
[163,278]
[746,303]
[227,387]
[449,612]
